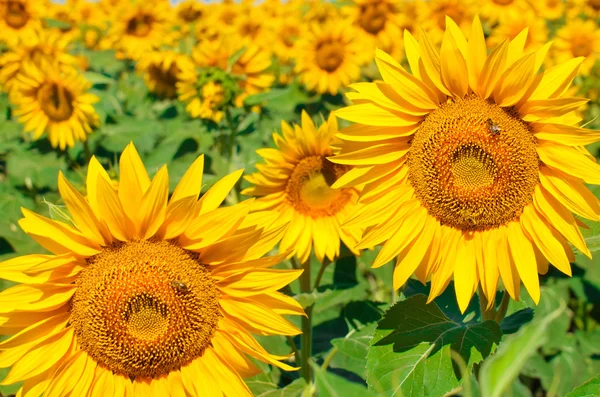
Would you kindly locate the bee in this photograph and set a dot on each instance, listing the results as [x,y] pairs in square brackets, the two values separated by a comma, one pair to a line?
[179,286]
[494,128]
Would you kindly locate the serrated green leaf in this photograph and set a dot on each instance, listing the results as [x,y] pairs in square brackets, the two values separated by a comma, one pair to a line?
[412,347]
[591,388]
[499,371]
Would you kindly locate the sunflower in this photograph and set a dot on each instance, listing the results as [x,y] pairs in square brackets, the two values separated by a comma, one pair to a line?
[140,27]
[513,23]
[144,295]
[190,11]
[296,182]
[433,17]
[493,10]
[550,9]
[205,94]
[249,67]
[320,12]
[577,38]
[329,57]
[40,48]
[378,20]
[161,70]
[56,102]
[409,15]
[19,19]
[472,165]
[589,8]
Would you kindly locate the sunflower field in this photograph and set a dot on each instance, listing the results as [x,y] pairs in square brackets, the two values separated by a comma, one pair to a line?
[299,198]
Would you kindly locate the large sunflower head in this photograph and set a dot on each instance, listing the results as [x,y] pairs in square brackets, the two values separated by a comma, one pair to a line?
[56,102]
[577,38]
[19,19]
[161,70]
[473,164]
[142,294]
[140,27]
[329,56]
[41,48]
[296,182]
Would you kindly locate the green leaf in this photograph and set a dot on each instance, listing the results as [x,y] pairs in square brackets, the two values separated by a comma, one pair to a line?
[331,385]
[268,389]
[412,347]
[352,350]
[98,78]
[499,371]
[591,388]
[515,321]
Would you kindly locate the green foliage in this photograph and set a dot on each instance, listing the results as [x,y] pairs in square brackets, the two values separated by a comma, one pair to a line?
[412,347]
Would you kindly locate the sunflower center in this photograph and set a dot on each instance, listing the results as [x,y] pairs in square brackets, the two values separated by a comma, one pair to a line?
[166,80]
[56,101]
[140,25]
[16,15]
[190,14]
[503,2]
[473,164]
[145,308]
[373,17]
[595,4]
[581,47]
[309,187]
[330,55]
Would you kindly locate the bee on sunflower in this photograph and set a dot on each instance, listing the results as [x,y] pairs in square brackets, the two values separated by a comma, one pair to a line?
[143,295]
[56,102]
[473,164]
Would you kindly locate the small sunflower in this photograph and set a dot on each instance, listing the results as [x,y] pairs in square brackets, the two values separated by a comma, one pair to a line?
[329,57]
[296,182]
[320,12]
[577,38]
[513,23]
[207,92]
[471,165]
[19,19]
[550,9]
[41,48]
[56,102]
[493,10]
[250,63]
[190,11]
[433,17]
[143,295]
[588,8]
[140,27]
[379,20]
[161,70]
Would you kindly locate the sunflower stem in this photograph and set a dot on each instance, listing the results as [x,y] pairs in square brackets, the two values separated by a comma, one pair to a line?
[324,265]
[87,151]
[501,312]
[483,306]
[305,287]
[295,349]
